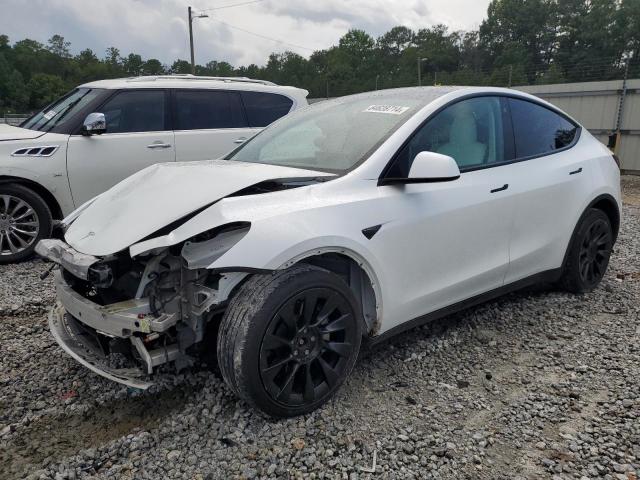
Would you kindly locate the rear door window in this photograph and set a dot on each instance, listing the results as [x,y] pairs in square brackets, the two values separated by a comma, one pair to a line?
[539,130]
[208,109]
[265,108]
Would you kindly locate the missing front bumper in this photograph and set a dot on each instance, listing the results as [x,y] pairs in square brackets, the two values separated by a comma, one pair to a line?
[76,342]
[82,327]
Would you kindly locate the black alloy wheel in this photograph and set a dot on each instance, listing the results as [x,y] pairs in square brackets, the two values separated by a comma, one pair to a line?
[594,252]
[589,252]
[307,346]
[289,339]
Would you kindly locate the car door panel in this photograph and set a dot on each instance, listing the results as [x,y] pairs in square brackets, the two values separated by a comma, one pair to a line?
[548,205]
[137,136]
[447,241]
[208,123]
[209,144]
[97,163]
[549,200]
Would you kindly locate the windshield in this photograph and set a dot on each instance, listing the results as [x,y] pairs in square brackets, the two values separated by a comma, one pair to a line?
[331,136]
[61,110]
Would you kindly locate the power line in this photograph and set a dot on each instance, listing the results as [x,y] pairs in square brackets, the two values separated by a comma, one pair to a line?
[230,6]
[263,36]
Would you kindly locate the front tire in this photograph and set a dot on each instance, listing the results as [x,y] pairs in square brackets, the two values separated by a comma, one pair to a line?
[25,219]
[589,253]
[288,340]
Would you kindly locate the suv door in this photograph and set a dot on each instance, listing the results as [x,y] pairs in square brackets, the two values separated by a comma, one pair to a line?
[551,194]
[208,123]
[138,135]
[451,239]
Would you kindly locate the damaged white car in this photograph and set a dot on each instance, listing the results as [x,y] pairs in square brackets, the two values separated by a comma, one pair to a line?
[345,222]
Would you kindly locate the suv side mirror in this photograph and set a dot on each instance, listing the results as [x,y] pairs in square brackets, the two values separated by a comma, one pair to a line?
[94,124]
[428,167]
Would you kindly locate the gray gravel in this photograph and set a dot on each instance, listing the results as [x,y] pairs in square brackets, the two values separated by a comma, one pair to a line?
[538,384]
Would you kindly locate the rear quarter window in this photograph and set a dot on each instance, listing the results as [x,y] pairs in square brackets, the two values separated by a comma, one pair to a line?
[539,130]
[265,108]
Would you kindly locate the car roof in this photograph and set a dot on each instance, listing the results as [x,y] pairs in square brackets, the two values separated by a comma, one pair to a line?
[198,82]
[426,95]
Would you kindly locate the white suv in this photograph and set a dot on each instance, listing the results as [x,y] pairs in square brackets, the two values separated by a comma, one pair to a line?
[342,223]
[104,131]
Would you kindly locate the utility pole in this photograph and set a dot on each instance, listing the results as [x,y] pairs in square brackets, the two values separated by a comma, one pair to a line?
[420,60]
[623,94]
[510,74]
[191,19]
[193,62]
[377,77]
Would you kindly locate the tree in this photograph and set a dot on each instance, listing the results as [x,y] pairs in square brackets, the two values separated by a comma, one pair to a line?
[44,89]
[180,66]
[133,64]
[59,47]
[153,66]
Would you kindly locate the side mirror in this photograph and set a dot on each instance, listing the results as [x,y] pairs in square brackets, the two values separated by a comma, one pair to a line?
[94,124]
[428,167]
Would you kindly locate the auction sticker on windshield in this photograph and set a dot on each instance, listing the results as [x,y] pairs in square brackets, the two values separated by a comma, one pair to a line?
[50,114]
[392,109]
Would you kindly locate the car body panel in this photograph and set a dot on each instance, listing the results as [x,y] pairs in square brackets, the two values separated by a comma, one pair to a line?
[96,163]
[159,195]
[9,133]
[49,172]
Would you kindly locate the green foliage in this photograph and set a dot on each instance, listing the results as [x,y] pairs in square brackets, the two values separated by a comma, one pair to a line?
[519,42]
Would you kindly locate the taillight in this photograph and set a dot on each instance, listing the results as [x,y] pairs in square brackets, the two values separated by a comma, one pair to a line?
[617,160]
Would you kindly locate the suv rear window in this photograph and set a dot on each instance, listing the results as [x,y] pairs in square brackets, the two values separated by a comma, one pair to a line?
[206,109]
[265,108]
[539,130]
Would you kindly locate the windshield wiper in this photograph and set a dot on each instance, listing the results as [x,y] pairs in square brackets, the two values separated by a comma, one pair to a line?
[62,115]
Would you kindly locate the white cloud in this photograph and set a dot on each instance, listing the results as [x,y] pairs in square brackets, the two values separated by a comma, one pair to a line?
[158,28]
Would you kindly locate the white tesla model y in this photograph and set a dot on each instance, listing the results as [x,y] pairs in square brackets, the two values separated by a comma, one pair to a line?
[341,224]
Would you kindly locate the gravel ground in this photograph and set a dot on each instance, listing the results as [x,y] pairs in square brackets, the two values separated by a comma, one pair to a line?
[537,384]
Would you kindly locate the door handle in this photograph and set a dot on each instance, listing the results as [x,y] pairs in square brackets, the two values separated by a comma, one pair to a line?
[500,189]
[575,171]
[159,145]
[240,140]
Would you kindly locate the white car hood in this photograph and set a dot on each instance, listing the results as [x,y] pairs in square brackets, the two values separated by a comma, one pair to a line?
[161,194]
[9,132]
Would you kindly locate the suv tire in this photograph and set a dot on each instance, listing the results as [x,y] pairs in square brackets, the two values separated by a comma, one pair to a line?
[288,340]
[25,219]
[589,253]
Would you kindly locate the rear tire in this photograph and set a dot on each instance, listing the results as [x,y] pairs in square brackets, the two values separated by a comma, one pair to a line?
[25,219]
[589,253]
[288,340]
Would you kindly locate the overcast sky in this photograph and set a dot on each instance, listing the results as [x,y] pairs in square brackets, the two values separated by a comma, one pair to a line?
[158,28]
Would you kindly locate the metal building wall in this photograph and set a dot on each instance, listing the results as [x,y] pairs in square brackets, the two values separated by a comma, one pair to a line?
[596,106]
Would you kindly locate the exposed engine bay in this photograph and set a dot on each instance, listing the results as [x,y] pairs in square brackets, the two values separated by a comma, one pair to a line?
[130,316]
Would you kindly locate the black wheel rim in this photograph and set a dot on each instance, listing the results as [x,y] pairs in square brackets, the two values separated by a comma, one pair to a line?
[307,347]
[594,252]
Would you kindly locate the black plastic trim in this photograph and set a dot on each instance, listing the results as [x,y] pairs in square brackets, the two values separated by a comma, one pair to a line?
[547,276]
[369,232]
[404,181]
